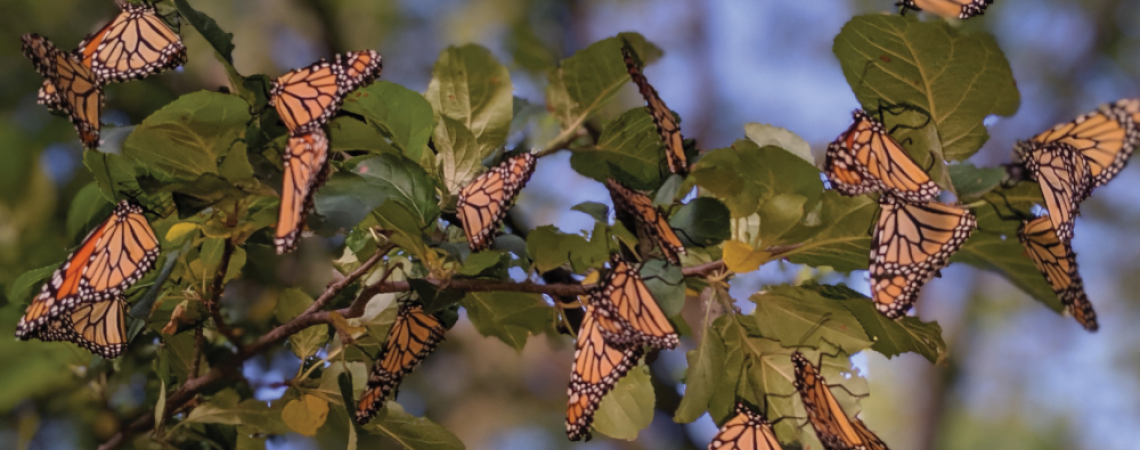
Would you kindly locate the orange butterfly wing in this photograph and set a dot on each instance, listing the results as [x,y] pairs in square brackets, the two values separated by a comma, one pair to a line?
[1056,260]
[484,202]
[748,430]
[412,338]
[70,86]
[308,97]
[137,43]
[624,300]
[663,118]
[835,430]
[636,208]
[865,158]
[598,365]
[305,158]
[910,244]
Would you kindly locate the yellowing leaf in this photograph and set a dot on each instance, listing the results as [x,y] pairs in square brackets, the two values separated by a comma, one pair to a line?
[742,258]
[179,231]
[342,324]
[306,414]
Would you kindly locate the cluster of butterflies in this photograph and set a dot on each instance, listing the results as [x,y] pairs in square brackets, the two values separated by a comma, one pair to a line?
[750,429]
[136,44]
[916,235]
[913,238]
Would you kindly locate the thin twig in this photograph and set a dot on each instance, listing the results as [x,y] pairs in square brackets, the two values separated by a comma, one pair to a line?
[216,289]
[334,289]
[199,341]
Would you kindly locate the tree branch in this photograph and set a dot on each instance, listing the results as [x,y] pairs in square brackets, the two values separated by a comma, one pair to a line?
[215,293]
[315,316]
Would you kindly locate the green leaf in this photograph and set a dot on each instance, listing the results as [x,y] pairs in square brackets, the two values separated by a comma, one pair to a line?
[971,182]
[666,283]
[770,135]
[402,115]
[599,211]
[629,149]
[511,317]
[469,86]
[224,408]
[584,82]
[790,313]
[344,201]
[290,304]
[410,432]
[705,371]
[86,208]
[209,29]
[745,176]
[394,216]
[186,138]
[306,414]
[628,408]
[780,214]
[703,222]
[892,337]
[433,297]
[21,290]
[480,262]
[460,157]
[995,247]
[402,180]
[348,133]
[550,248]
[958,78]
[837,233]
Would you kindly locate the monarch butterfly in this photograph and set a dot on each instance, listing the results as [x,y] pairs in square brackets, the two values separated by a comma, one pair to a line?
[308,97]
[305,157]
[910,244]
[1064,178]
[667,125]
[360,68]
[628,312]
[748,430]
[137,43]
[412,338]
[114,256]
[865,158]
[69,86]
[598,365]
[484,202]
[636,208]
[962,9]
[98,327]
[1056,260]
[834,429]
[1105,138]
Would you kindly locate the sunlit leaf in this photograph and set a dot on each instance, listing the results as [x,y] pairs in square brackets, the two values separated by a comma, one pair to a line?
[628,408]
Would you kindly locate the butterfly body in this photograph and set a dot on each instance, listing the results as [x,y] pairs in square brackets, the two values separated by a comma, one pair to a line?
[628,313]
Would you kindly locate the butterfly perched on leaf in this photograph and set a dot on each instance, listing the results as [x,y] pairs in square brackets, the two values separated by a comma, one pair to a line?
[667,125]
[747,430]
[82,301]
[834,429]
[598,365]
[1057,262]
[484,202]
[305,159]
[413,337]
[636,209]
[309,97]
[866,159]
[910,243]
[629,315]
[962,9]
